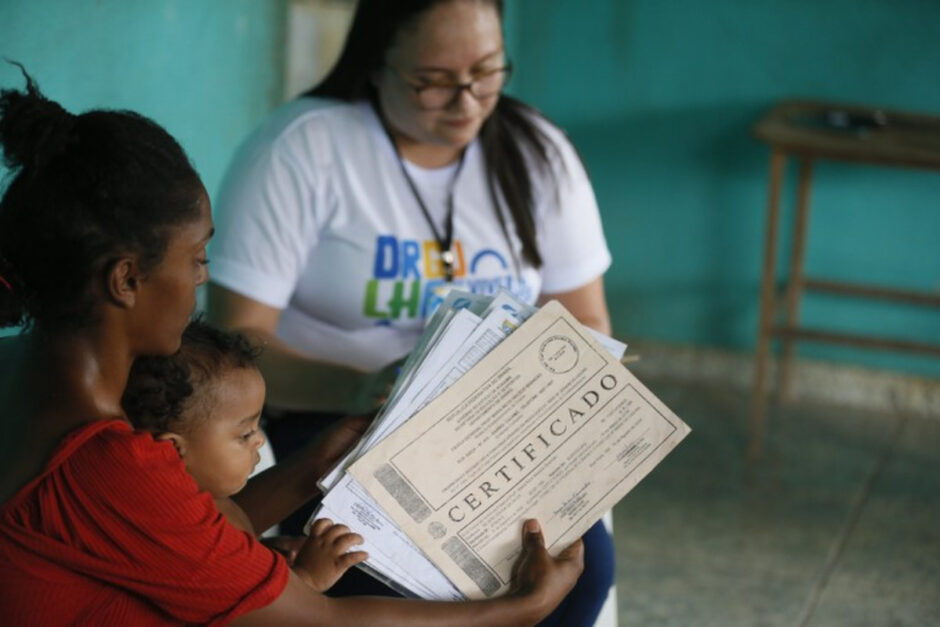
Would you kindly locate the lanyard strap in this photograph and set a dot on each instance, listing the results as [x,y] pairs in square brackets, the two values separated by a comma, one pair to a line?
[445,241]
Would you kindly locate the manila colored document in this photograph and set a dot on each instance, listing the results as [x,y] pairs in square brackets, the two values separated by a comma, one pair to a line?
[548,425]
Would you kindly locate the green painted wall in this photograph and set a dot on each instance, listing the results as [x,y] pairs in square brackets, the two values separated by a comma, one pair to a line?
[207,70]
[660,96]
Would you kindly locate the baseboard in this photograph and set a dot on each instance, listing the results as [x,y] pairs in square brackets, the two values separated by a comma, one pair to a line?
[813,381]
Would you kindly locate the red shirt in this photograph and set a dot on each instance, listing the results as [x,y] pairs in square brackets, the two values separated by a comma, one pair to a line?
[115,531]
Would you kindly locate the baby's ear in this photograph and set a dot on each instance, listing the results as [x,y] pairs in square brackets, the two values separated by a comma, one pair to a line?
[179,442]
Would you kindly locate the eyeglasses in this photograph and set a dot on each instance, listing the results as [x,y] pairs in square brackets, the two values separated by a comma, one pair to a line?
[437,95]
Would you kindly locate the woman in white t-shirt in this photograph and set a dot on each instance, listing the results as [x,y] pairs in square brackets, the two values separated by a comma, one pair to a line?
[345,218]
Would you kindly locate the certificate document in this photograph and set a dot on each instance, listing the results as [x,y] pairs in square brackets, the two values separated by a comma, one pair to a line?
[548,425]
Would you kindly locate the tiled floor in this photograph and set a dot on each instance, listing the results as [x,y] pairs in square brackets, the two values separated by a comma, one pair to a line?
[839,524]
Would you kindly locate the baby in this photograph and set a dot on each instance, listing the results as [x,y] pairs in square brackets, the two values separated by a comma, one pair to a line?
[207,399]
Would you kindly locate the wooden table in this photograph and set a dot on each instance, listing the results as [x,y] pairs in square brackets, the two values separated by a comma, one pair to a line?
[807,131]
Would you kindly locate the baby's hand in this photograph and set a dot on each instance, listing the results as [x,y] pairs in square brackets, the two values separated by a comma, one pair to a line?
[325,556]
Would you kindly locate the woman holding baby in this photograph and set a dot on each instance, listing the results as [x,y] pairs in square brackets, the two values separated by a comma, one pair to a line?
[103,233]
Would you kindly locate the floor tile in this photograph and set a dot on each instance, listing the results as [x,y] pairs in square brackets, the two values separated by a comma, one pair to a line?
[708,539]
[889,570]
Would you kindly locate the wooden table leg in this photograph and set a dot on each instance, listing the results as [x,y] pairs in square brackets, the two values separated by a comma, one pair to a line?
[795,283]
[765,325]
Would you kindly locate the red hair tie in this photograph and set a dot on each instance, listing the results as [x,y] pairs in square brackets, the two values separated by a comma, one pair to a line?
[6,284]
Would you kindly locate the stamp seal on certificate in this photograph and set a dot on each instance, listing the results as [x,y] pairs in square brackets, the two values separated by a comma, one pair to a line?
[558,354]
[437,530]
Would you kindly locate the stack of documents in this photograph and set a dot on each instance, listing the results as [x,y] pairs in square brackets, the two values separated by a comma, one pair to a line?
[502,412]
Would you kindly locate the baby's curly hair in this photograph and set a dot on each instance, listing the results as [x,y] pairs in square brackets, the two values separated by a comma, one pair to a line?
[159,394]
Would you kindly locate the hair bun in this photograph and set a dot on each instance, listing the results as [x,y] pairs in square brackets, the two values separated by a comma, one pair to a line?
[33,129]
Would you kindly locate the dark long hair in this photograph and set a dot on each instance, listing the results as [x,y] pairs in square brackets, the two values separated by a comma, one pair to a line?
[510,138]
[83,189]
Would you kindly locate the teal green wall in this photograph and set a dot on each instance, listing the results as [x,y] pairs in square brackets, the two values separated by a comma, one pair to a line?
[660,96]
[207,70]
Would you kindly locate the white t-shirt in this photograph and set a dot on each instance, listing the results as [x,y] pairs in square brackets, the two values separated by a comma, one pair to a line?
[316,218]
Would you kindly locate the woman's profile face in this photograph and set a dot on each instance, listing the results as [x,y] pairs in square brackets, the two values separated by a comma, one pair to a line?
[453,42]
[167,297]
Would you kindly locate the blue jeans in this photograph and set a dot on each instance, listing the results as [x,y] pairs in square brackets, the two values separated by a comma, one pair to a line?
[290,432]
